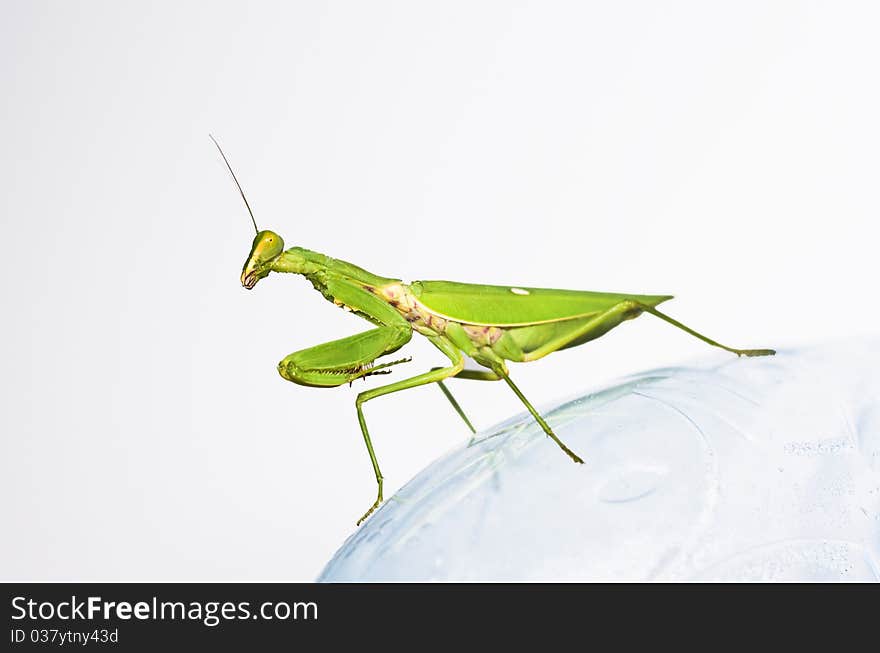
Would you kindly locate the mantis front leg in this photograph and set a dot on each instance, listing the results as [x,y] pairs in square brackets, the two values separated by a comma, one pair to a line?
[433,376]
[342,361]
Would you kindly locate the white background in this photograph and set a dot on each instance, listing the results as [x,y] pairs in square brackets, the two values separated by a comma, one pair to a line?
[723,152]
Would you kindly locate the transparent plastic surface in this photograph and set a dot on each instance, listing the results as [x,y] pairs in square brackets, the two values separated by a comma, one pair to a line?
[764,469]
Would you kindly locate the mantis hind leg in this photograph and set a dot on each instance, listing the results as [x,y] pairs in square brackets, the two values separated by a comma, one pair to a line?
[609,319]
[686,329]
[541,421]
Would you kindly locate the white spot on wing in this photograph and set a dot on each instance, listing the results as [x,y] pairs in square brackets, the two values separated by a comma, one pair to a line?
[519,291]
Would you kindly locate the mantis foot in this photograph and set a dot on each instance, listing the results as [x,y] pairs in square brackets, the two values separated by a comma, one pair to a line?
[373,507]
[756,352]
[571,454]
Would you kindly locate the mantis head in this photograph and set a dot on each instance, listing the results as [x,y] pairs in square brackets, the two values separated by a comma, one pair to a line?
[267,244]
[265,249]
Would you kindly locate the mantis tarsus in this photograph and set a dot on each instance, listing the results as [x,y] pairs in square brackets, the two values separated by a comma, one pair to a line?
[489,324]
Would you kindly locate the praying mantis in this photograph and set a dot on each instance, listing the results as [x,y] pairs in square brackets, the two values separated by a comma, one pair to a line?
[492,325]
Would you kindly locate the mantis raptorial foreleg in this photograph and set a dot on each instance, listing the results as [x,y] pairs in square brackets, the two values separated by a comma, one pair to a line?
[342,361]
[432,376]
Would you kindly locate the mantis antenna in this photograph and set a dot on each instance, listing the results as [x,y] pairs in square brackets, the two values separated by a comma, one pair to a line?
[225,160]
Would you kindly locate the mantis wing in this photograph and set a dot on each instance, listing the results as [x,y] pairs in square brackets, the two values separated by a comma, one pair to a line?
[507,306]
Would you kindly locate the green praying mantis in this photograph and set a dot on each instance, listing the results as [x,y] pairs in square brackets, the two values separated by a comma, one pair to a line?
[489,324]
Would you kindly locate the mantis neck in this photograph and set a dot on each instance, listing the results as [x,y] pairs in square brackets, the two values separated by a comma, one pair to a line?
[318,267]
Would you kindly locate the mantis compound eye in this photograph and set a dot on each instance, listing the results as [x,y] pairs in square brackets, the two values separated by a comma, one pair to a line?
[267,245]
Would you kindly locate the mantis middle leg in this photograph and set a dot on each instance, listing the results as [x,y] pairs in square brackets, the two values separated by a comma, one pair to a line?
[501,372]
[432,376]
[498,375]
[465,374]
